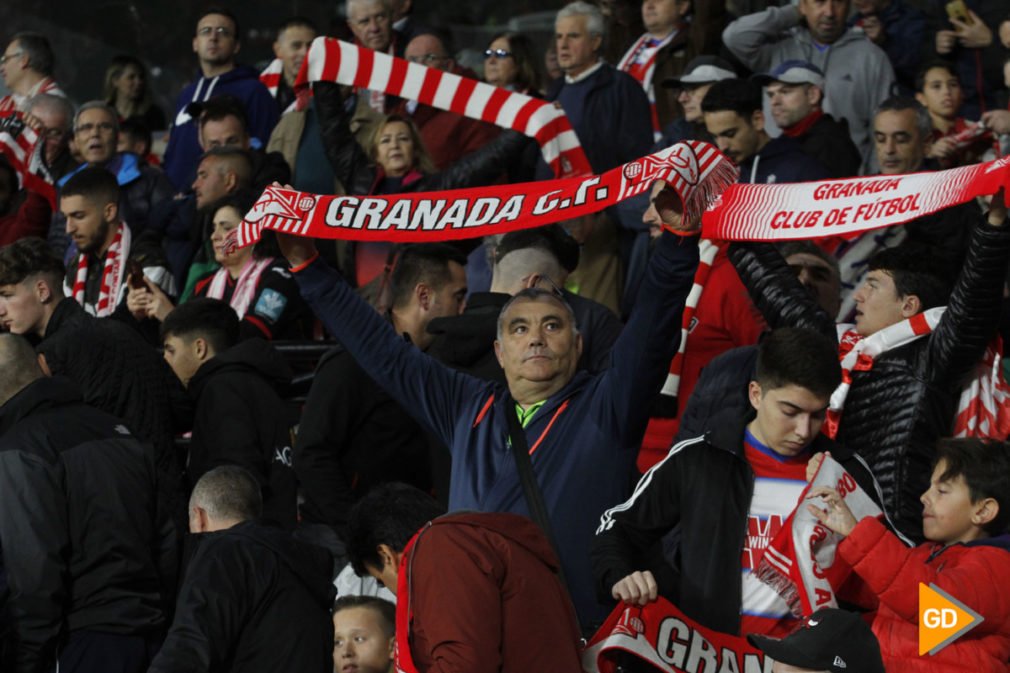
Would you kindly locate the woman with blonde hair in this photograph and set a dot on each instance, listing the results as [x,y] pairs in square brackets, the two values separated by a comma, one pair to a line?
[396,161]
[126,91]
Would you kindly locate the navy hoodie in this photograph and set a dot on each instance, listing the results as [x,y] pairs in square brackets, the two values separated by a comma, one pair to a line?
[781,160]
[183,149]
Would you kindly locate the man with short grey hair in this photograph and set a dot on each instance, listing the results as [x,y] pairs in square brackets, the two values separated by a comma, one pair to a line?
[26,68]
[254,599]
[96,133]
[51,116]
[612,117]
[607,108]
[371,21]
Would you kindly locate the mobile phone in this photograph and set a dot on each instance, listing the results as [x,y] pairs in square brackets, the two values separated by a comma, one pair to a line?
[135,275]
[957,10]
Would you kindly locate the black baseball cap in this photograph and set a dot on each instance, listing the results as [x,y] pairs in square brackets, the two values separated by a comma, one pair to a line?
[702,70]
[828,640]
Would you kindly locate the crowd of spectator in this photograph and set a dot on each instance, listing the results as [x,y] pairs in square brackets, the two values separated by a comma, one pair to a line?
[503,438]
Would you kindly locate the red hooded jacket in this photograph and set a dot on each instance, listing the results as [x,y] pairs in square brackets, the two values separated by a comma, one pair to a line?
[484,596]
[977,574]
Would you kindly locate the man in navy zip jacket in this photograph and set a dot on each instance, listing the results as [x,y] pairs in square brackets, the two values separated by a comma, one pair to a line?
[583,431]
[216,43]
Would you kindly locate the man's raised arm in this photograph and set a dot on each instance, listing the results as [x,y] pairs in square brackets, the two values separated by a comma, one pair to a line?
[426,389]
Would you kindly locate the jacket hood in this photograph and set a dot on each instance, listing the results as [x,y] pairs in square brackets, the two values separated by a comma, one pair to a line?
[1000,542]
[40,394]
[519,529]
[256,354]
[312,565]
[124,165]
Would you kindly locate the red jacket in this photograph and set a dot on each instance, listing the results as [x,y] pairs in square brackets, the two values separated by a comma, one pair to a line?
[977,574]
[485,597]
[725,319]
[30,219]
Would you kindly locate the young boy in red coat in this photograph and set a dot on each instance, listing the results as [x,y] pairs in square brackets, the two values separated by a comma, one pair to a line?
[965,515]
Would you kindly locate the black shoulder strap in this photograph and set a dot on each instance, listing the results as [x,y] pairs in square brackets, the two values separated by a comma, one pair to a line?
[531,489]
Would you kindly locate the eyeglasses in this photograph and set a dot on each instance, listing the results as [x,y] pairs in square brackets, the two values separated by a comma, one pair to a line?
[426,58]
[53,133]
[8,57]
[220,31]
[104,127]
[500,53]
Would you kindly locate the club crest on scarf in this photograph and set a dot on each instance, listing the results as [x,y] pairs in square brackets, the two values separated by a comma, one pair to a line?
[281,203]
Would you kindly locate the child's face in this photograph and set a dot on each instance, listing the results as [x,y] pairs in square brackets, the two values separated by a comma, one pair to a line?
[947,510]
[359,643]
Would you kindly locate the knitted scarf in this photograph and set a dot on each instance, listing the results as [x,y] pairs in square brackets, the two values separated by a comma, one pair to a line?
[19,143]
[640,62]
[245,285]
[983,408]
[798,563]
[747,212]
[331,60]
[113,273]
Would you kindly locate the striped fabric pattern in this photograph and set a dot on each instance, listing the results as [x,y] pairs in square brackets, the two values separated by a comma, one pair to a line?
[332,60]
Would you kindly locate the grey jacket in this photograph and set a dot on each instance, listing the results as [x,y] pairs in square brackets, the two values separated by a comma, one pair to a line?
[858,76]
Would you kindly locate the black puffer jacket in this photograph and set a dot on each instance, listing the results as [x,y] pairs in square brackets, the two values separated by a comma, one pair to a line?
[85,544]
[118,373]
[895,412]
[255,600]
[240,420]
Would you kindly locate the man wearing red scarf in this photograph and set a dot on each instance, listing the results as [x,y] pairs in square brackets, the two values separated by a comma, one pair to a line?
[795,91]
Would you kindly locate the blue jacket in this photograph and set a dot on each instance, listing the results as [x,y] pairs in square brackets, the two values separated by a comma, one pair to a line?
[183,149]
[590,430]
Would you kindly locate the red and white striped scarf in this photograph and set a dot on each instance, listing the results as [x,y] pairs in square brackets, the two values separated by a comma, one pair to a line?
[271,76]
[983,408]
[245,285]
[13,102]
[331,60]
[707,251]
[799,562]
[113,273]
[640,62]
[19,144]
[740,212]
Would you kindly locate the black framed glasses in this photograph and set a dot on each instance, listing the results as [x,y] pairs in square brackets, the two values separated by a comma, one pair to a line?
[500,53]
[10,57]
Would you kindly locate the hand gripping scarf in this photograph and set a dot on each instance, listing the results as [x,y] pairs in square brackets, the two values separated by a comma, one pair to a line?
[18,143]
[983,408]
[330,60]
[799,562]
[113,273]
